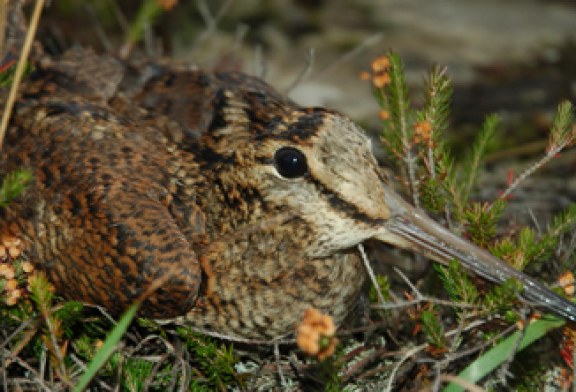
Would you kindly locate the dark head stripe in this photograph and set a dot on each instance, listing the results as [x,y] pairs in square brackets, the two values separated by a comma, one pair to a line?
[307,125]
[341,205]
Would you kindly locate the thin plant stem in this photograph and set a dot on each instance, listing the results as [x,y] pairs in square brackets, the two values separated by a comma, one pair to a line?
[3,24]
[528,172]
[20,68]
[381,299]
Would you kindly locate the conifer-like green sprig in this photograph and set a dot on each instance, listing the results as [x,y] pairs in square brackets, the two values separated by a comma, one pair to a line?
[457,283]
[563,132]
[398,131]
[482,221]
[436,112]
[13,185]
[473,163]
[433,328]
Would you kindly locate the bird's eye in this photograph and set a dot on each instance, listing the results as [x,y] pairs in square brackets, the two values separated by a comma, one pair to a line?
[290,162]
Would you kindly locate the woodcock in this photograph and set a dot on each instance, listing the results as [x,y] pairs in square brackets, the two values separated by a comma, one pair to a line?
[248,205]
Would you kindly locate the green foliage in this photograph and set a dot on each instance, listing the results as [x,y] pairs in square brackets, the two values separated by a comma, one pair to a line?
[85,346]
[7,75]
[437,101]
[501,297]
[149,11]
[109,346]
[482,221]
[41,293]
[328,371]
[396,131]
[562,223]
[139,372]
[457,283]
[136,373]
[433,200]
[417,142]
[433,328]
[13,185]
[529,248]
[70,313]
[384,287]
[563,132]
[437,163]
[473,162]
[503,351]
[215,360]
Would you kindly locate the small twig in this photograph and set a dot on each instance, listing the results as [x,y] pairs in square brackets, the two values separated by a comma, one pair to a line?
[239,36]
[43,361]
[26,338]
[303,75]
[154,371]
[410,161]
[461,325]
[98,29]
[437,378]
[185,374]
[20,69]
[371,274]
[465,353]
[405,304]
[405,357]
[210,20]
[528,172]
[260,63]
[205,13]
[56,347]
[141,343]
[3,372]
[120,17]
[408,282]
[3,24]
[370,41]
[33,376]
[152,45]
[367,355]
[535,221]
[82,368]
[503,371]
[419,298]
[279,365]
[23,325]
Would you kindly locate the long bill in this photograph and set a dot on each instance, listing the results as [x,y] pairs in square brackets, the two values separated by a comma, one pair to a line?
[410,228]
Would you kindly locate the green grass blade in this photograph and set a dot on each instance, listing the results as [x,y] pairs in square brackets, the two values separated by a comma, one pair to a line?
[147,14]
[108,348]
[501,352]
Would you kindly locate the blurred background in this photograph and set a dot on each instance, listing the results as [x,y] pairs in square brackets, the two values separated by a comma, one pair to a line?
[522,47]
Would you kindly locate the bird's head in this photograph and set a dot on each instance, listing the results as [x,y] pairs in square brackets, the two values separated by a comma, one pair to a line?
[312,165]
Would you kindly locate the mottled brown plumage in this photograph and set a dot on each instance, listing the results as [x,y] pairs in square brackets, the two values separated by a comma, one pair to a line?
[250,204]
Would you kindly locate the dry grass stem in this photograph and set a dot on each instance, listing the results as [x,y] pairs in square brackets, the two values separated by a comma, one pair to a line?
[372,276]
[3,24]
[551,154]
[305,72]
[368,42]
[20,68]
